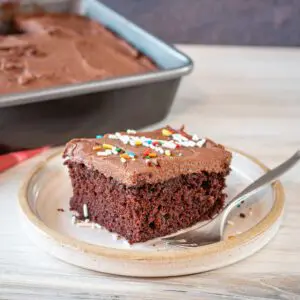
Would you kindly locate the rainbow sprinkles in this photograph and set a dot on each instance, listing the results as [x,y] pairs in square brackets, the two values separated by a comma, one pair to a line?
[153,147]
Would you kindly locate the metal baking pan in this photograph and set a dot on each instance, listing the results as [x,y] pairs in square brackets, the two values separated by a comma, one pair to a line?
[53,116]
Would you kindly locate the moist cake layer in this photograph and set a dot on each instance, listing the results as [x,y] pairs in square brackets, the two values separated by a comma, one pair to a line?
[209,157]
[149,211]
[58,49]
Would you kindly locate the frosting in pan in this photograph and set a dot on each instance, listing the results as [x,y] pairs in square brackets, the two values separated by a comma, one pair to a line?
[149,157]
[59,49]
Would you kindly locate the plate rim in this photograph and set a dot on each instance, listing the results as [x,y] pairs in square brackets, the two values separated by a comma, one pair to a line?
[135,255]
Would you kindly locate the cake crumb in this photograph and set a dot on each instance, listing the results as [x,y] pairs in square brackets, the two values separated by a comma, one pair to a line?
[60,210]
[242,215]
[229,222]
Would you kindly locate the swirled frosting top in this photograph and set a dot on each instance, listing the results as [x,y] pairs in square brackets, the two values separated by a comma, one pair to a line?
[59,49]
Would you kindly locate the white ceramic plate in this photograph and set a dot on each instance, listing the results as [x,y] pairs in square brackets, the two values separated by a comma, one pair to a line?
[48,189]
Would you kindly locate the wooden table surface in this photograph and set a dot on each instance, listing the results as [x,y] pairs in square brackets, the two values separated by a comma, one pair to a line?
[246,98]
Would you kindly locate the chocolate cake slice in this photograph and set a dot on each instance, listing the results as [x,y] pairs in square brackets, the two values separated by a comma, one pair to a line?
[143,185]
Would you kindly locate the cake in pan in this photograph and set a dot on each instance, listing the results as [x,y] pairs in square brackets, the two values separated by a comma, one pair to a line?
[53,49]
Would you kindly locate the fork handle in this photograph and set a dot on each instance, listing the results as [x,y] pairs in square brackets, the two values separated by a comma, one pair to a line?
[258,184]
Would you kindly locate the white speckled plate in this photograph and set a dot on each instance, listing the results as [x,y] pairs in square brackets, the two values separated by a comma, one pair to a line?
[47,190]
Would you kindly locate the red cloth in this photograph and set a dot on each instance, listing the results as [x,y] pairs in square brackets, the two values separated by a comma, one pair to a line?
[9,160]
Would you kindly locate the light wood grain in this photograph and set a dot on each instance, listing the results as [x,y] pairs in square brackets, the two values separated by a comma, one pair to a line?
[246,98]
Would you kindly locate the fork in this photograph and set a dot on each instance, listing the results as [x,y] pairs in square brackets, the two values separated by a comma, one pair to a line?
[213,230]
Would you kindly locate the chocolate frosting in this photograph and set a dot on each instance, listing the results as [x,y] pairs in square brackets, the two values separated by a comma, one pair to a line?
[210,158]
[58,49]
